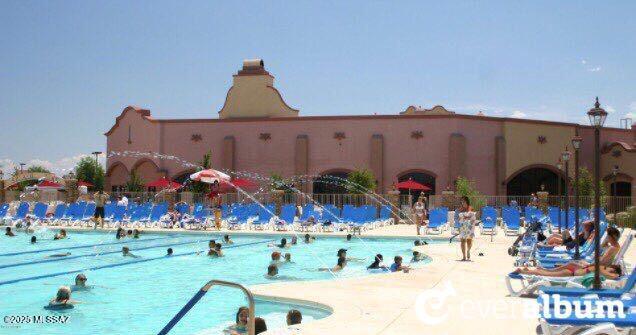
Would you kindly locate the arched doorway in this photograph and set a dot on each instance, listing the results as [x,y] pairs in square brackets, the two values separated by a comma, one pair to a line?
[116,176]
[621,192]
[331,182]
[420,176]
[530,179]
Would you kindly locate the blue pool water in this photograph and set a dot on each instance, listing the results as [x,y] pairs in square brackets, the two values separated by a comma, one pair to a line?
[140,295]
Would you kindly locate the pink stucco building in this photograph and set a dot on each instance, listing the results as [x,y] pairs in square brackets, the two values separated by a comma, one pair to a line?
[257,131]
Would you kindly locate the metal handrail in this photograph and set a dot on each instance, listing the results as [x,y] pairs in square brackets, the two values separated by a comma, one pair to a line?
[195,299]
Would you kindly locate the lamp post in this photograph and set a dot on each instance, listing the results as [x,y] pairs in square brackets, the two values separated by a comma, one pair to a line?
[96,153]
[576,144]
[559,166]
[565,156]
[597,117]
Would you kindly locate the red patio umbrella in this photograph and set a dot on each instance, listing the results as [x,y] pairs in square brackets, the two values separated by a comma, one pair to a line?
[244,184]
[47,184]
[163,182]
[412,185]
[84,183]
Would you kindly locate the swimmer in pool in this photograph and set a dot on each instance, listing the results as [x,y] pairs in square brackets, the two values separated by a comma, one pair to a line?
[397,265]
[342,262]
[227,239]
[120,233]
[377,263]
[130,232]
[275,258]
[60,235]
[8,232]
[417,256]
[283,244]
[418,243]
[125,251]
[217,250]
[80,283]
[136,233]
[348,237]
[169,252]
[60,255]
[33,239]
[63,297]
[272,271]
[240,327]
[294,240]
[343,253]
[288,258]
[309,239]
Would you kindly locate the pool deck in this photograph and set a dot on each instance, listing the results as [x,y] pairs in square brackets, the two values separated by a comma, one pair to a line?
[455,297]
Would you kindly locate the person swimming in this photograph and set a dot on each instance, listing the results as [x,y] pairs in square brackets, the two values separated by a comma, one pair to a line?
[417,256]
[80,283]
[294,240]
[348,237]
[377,263]
[227,239]
[217,250]
[169,252]
[272,271]
[120,233]
[125,251]
[60,235]
[343,253]
[283,244]
[63,298]
[8,232]
[397,265]
[130,232]
[240,327]
[136,233]
[33,239]
[309,238]
[60,255]
[294,317]
[259,326]
[342,262]
[275,258]
[288,258]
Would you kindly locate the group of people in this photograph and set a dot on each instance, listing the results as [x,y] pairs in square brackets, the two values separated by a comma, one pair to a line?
[62,299]
[294,317]
[121,233]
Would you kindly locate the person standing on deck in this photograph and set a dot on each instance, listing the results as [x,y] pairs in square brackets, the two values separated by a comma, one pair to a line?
[100,200]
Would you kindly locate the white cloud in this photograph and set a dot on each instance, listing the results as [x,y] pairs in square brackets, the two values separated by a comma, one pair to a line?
[595,69]
[519,114]
[583,61]
[610,109]
[60,167]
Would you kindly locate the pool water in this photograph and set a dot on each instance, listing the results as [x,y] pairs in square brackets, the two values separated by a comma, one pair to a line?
[140,295]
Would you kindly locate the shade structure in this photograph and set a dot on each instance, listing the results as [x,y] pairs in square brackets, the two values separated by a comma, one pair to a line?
[84,183]
[163,182]
[47,184]
[412,186]
[244,184]
[210,176]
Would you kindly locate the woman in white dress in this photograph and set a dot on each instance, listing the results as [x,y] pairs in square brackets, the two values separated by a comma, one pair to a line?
[466,227]
[420,212]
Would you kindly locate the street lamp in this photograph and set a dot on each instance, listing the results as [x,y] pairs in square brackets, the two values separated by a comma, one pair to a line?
[565,157]
[96,153]
[597,117]
[576,144]
[560,167]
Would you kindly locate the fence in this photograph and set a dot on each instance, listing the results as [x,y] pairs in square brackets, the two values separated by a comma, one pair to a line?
[611,204]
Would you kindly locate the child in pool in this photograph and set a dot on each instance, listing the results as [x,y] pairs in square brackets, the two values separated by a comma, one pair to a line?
[8,232]
[227,239]
[240,327]
[125,251]
[63,298]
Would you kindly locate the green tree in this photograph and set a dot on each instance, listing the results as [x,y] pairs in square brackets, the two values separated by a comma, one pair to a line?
[88,170]
[279,183]
[204,164]
[586,189]
[38,169]
[134,184]
[466,188]
[361,181]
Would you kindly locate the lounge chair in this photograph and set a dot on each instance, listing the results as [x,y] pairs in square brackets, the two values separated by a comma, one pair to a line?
[330,220]
[58,214]
[437,221]
[89,213]
[386,215]
[20,214]
[119,216]
[286,218]
[264,217]
[512,221]
[39,212]
[628,286]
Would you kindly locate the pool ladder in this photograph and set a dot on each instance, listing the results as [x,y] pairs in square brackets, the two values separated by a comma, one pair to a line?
[195,299]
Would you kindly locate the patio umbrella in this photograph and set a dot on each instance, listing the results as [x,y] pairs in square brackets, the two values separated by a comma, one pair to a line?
[163,182]
[244,184]
[84,183]
[210,176]
[412,185]
[49,185]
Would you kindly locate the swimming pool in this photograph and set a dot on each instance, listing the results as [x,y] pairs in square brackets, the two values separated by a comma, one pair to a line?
[140,295]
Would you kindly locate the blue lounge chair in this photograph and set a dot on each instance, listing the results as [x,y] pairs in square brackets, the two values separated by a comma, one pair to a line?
[609,293]
[264,216]
[437,220]
[20,213]
[39,212]
[58,214]
[512,220]
[88,214]
[286,218]
[118,218]
[4,208]
[330,220]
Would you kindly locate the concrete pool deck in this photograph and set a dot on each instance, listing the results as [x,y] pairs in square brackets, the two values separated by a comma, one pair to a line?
[455,297]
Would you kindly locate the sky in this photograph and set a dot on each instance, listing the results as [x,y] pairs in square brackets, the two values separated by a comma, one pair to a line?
[68,68]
